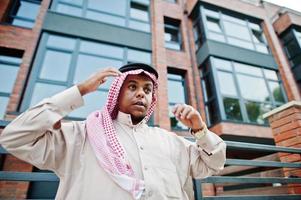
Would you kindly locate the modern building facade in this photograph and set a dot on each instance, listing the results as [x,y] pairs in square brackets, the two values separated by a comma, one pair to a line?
[233,60]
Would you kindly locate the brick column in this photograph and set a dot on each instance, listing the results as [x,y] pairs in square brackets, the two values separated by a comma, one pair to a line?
[285,122]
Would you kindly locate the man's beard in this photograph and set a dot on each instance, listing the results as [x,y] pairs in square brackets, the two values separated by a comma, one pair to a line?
[137,119]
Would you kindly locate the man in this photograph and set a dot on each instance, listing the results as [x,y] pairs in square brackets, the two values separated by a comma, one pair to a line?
[114,154]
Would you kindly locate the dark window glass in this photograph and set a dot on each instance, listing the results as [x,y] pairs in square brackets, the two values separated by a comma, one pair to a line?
[212,112]
[24,12]
[9,67]
[232,109]
[176,94]
[255,110]
[172,34]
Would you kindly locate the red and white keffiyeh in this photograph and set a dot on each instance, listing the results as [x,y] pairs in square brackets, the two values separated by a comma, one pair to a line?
[102,136]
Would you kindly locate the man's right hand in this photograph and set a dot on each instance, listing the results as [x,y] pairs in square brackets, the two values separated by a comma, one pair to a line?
[96,79]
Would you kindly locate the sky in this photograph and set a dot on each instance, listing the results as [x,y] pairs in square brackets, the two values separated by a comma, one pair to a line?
[292,4]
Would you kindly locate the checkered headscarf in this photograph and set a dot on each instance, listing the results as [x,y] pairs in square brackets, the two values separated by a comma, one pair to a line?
[102,135]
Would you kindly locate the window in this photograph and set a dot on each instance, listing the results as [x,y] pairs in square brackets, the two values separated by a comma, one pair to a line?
[176,94]
[76,59]
[172,1]
[24,12]
[226,28]
[9,66]
[245,92]
[172,34]
[129,13]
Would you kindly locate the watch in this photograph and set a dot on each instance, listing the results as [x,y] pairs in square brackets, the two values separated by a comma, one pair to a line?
[201,133]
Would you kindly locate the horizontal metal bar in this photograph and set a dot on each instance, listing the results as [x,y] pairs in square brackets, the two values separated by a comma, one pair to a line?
[261,163]
[235,179]
[254,197]
[27,176]
[260,147]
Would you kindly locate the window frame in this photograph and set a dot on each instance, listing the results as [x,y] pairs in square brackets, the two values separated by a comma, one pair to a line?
[183,81]
[201,20]
[18,55]
[173,24]
[126,17]
[75,53]
[241,100]
[12,15]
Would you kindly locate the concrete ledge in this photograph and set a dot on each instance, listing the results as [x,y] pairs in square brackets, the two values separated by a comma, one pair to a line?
[281,108]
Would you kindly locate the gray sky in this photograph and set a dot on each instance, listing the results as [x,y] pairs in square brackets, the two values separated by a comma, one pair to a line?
[292,4]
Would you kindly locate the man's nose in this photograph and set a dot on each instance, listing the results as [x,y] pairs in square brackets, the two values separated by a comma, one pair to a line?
[140,93]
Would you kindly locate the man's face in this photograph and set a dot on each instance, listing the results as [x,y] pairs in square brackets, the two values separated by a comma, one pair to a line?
[136,96]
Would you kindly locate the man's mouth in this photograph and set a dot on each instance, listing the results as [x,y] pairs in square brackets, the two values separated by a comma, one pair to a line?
[140,103]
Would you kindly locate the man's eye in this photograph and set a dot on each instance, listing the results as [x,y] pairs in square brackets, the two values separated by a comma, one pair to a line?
[147,90]
[132,87]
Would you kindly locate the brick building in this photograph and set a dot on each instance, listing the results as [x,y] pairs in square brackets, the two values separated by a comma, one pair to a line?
[233,60]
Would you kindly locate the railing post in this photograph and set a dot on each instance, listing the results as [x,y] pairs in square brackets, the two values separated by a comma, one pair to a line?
[198,195]
[285,122]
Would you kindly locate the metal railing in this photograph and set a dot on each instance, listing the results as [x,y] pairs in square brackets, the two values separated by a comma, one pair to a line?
[252,180]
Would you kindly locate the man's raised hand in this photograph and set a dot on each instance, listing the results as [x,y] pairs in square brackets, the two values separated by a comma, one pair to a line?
[97,79]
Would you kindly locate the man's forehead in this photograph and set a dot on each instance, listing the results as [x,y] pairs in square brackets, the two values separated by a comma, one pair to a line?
[143,78]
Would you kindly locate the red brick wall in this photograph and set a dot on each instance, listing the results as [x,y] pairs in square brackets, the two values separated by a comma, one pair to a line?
[26,40]
[286,127]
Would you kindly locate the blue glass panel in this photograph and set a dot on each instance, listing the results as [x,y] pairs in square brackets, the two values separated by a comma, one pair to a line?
[270,74]
[226,83]
[176,92]
[87,65]
[119,21]
[240,43]
[93,101]
[42,90]
[139,56]
[175,76]
[138,11]
[75,2]
[101,49]
[12,60]
[117,7]
[237,30]
[139,26]
[55,65]
[23,23]
[3,105]
[276,91]
[8,76]
[222,64]
[28,10]
[253,88]
[61,42]
[70,10]
[247,69]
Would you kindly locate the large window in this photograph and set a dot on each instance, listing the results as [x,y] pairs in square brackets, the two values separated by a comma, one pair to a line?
[9,67]
[243,92]
[24,12]
[75,59]
[176,95]
[292,45]
[129,13]
[172,35]
[234,30]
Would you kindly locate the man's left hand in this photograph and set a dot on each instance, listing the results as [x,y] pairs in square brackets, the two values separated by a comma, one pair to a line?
[189,116]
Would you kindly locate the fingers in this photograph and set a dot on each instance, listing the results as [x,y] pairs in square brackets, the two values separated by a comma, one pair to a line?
[183,111]
[108,72]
